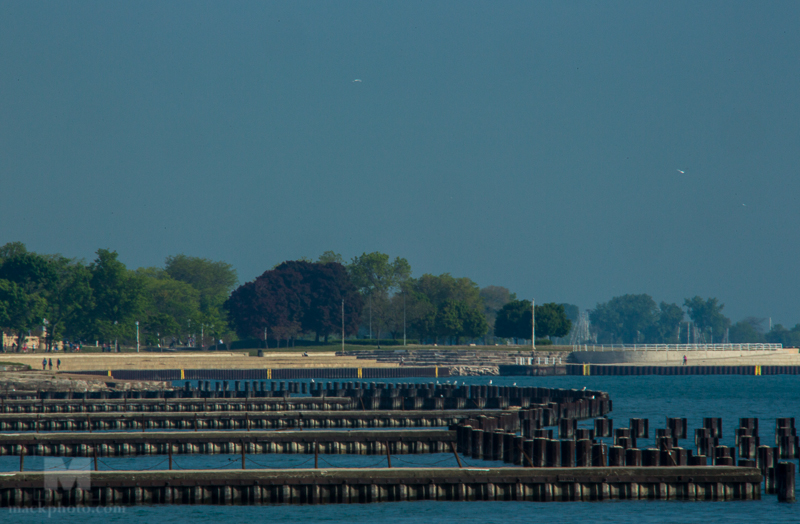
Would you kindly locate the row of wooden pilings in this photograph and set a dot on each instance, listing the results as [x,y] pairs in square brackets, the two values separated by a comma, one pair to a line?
[495,396]
[532,418]
[369,442]
[486,438]
[242,421]
[378,485]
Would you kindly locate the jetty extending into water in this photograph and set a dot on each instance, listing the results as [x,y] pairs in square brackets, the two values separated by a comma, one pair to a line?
[330,486]
[480,422]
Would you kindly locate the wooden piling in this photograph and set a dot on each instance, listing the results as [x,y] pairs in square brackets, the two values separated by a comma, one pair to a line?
[784,475]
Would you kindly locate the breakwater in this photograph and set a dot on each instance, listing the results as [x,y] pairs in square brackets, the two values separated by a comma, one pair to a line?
[344,486]
[356,442]
[519,429]
[330,405]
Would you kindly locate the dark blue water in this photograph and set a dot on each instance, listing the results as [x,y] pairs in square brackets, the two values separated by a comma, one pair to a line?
[654,397]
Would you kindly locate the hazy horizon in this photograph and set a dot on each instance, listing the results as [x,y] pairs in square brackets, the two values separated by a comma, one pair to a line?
[571,152]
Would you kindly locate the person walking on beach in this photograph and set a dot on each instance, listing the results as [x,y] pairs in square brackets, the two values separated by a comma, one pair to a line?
[684,360]
[50,364]
[58,364]
[44,365]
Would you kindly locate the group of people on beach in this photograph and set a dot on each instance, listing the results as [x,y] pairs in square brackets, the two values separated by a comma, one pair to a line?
[46,362]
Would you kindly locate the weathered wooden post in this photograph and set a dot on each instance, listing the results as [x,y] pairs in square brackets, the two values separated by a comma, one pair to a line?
[603,427]
[640,427]
[583,453]
[553,454]
[539,452]
[651,457]
[568,453]
[616,456]
[477,443]
[785,480]
[633,457]
[599,455]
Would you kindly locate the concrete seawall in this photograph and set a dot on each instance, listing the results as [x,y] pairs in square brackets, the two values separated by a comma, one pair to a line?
[653,357]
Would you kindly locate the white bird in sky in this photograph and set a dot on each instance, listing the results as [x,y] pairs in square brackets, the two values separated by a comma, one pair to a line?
[357,80]
[681,171]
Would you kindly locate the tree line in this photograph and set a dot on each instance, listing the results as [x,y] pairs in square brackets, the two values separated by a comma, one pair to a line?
[632,319]
[190,299]
[376,296]
[103,300]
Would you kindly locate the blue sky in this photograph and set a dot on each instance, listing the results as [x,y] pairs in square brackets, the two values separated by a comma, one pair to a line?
[533,145]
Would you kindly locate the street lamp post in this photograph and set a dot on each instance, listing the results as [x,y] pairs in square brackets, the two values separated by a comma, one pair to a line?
[533,324]
[404,318]
[342,327]
[116,343]
[137,336]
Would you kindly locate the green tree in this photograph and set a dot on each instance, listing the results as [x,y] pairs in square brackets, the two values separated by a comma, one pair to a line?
[420,315]
[11,249]
[551,321]
[69,299]
[19,311]
[431,294]
[25,278]
[377,278]
[665,330]
[707,316]
[118,298]
[744,332]
[459,320]
[626,319]
[331,256]
[494,298]
[780,335]
[572,311]
[514,320]
[213,280]
[171,305]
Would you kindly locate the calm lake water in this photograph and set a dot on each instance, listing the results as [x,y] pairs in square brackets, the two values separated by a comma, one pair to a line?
[653,397]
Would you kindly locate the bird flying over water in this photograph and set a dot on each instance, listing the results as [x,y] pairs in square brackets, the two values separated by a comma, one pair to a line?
[681,171]
[357,80]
